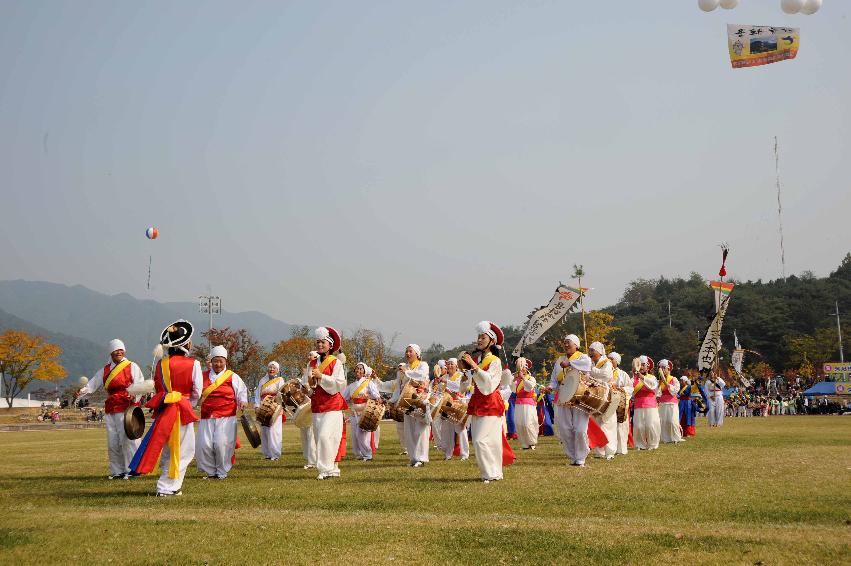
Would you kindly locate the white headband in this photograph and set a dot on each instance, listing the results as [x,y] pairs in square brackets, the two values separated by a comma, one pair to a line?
[416,349]
[219,352]
[116,344]
[598,347]
[573,338]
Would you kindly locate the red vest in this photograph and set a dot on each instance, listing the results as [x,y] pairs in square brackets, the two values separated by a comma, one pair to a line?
[181,380]
[485,405]
[118,399]
[322,402]
[221,402]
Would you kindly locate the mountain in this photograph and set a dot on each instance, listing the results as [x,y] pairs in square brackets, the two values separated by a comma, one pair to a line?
[80,312]
[79,356]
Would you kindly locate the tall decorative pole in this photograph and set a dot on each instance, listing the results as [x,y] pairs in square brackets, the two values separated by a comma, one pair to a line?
[578,274]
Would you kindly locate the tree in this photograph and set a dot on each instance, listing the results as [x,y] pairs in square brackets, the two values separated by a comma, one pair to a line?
[24,358]
[369,346]
[600,329]
[245,355]
[291,355]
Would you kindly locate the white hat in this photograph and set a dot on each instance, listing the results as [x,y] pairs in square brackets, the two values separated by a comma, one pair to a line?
[598,347]
[441,363]
[484,327]
[685,379]
[582,363]
[219,352]
[615,357]
[664,364]
[116,344]
[274,364]
[367,371]
[573,338]
[643,359]
[452,361]
[416,349]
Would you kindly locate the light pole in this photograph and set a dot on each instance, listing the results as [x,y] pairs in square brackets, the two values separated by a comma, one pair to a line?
[210,304]
[838,331]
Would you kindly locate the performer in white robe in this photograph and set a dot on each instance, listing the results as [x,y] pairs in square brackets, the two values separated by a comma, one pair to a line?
[306,436]
[715,394]
[391,387]
[487,407]
[603,372]
[525,405]
[416,428]
[356,394]
[450,431]
[270,436]
[327,378]
[223,393]
[645,426]
[115,377]
[438,385]
[623,382]
[667,394]
[572,422]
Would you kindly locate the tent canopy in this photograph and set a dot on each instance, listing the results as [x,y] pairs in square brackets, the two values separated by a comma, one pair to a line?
[821,388]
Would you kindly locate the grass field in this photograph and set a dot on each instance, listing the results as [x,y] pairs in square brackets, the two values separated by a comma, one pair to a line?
[757,491]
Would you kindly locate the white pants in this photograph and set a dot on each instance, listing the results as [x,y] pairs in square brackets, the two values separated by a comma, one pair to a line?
[487,441]
[610,429]
[187,451]
[448,430]
[716,412]
[400,431]
[328,431]
[573,432]
[308,445]
[646,428]
[526,423]
[360,439]
[437,434]
[270,439]
[623,435]
[416,439]
[119,448]
[669,422]
[215,445]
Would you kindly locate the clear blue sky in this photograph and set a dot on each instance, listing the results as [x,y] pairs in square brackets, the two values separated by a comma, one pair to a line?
[412,166]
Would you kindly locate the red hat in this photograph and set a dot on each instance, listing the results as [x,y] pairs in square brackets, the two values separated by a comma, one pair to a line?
[492,330]
[329,335]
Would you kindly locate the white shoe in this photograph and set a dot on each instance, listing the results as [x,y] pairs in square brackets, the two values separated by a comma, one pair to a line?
[486,481]
[465,458]
[309,467]
[417,465]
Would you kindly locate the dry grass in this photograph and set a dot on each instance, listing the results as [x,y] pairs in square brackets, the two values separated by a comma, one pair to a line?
[758,491]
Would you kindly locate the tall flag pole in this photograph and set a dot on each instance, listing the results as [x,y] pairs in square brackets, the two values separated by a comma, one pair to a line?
[779,207]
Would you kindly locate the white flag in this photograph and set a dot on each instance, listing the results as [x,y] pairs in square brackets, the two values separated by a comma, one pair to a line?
[543,318]
[712,340]
[738,355]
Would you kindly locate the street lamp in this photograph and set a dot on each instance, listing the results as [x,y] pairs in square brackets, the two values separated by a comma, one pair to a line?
[210,304]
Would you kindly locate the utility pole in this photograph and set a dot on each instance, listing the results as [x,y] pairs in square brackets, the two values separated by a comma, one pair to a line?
[670,324]
[838,331]
[210,304]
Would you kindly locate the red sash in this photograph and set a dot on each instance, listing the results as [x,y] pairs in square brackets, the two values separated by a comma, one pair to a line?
[118,399]
[221,401]
[486,405]
[322,402]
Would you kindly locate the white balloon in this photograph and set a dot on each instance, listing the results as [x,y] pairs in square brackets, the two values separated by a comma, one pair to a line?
[729,4]
[791,6]
[811,7]
[707,5]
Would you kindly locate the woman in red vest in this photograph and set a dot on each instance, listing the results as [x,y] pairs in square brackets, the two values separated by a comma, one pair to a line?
[486,407]
[115,377]
[223,393]
[327,377]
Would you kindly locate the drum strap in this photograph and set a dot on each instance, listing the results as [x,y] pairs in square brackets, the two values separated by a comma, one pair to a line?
[119,367]
[215,385]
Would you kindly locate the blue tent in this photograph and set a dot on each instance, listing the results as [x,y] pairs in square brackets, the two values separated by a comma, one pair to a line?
[821,388]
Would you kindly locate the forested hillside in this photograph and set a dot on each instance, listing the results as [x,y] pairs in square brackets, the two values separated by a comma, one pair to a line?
[786,322]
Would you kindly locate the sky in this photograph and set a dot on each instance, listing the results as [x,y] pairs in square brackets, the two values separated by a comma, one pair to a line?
[413,167]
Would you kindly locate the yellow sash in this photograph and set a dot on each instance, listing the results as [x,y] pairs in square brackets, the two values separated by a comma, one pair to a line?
[270,382]
[115,371]
[561,374]
[602,362]
[174,436]
[215,385]
[325,363]
[456,376]
[415,365]
[486,361]
[360,388]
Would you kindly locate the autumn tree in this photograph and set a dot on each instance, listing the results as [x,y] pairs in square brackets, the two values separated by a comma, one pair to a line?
[291,354]
[599,328]
[24,358]
[245,355]
[369,346]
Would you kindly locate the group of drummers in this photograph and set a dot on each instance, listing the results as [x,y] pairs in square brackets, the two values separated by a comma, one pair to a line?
[463,403]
